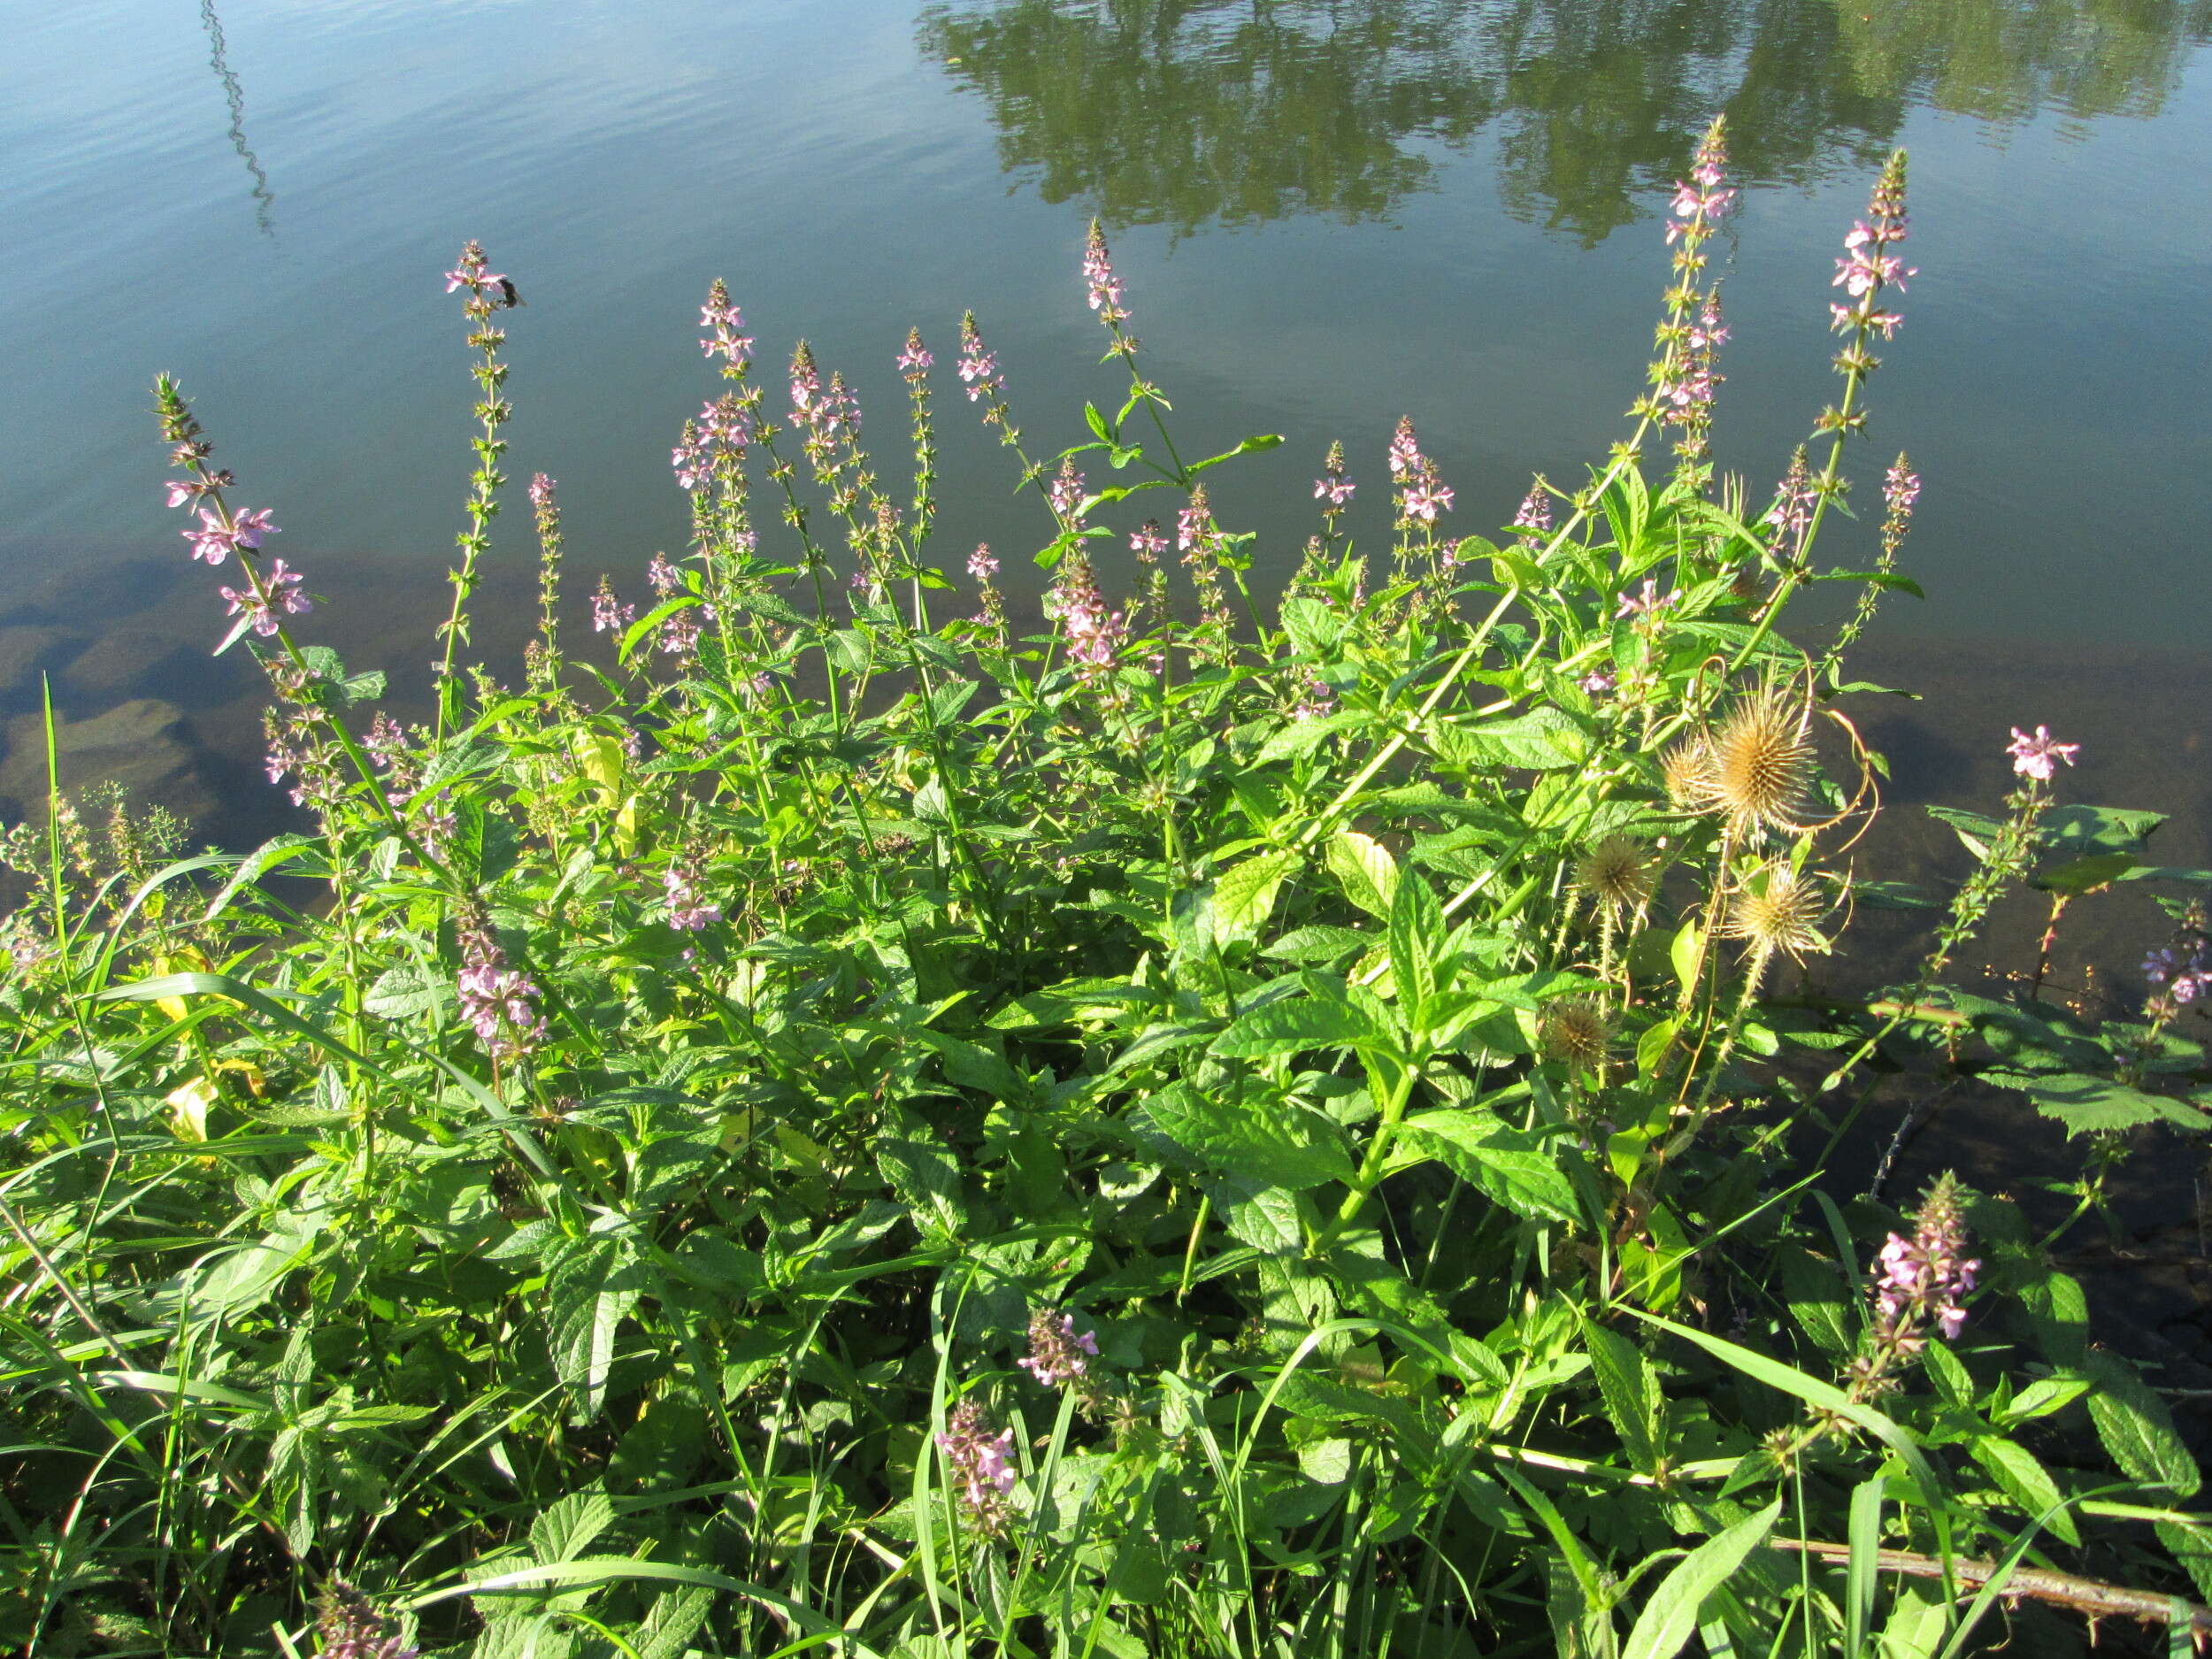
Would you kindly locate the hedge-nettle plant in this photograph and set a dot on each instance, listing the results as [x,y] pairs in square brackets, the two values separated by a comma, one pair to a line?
[850,1113]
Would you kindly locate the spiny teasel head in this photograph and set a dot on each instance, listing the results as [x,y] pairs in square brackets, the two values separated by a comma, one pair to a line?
[1780,909]
[1759,759]
[1616,873]
[1577,1031]
[1687,768]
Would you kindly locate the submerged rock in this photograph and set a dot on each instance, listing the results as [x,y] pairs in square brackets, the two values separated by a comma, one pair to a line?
[26,653]
[146,745]
[135,660]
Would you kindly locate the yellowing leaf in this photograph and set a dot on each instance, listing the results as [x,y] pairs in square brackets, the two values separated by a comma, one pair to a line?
[1364,868]
[188,1107]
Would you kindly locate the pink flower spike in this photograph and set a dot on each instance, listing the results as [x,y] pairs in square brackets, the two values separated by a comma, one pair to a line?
[212,539]
[247,528]
[2037,757]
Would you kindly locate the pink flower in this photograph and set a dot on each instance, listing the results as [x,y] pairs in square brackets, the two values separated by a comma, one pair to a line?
[979,1462]
[1703,197]
[1534,516]
[982,564]
[608,615]
[1095,636]
[978,368]
[726,320]
[212,540]
[1065,491]
[1332,486]
[1427,497]
[1405,449]
[1098,274]
[283,586]
[499,1002]
[2037,757]
[1647,603]
[915,359]
[686,913]
[1057,1350]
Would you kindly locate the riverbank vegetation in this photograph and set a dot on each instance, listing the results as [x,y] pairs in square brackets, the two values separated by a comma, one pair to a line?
[833,1118]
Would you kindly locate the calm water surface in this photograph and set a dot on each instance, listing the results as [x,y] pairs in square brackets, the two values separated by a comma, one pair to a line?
[1328,214]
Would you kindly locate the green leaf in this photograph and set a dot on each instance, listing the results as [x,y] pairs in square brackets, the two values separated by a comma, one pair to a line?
[1294,738]
[2087,1104]
[1671,1615]
[1274,1142]
[592,1284]
[2023,1478]
[2085,875]
[1509,1166]
[2097,828]
[1863,1575]
[409,988]
[570,1525]
[1244,894]
[2136,1427]
[618,1568]
[1416,938]
[1253,445]
[1631,1393]
[1318,943]
[1684,953]
[1296,1026]
[1542,740]
[1812,1390]
[1365,871]
[920,1168]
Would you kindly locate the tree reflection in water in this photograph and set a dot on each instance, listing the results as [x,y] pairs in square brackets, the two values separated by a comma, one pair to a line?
[1186,112]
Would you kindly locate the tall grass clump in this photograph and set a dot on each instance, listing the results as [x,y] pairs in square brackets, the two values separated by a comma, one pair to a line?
[835,1118]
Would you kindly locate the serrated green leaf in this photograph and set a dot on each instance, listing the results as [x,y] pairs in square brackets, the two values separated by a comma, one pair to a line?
[2021,1477]
[1244,893]
[1630,1390]
[1268,1139]
[2136,1427]
[570,1525]
[1416,936]
[1510,1166]
[1295,1026]
[1365,871]
[2088,1104]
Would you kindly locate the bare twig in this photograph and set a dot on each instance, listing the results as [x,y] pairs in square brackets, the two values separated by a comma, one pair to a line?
[2087,1595]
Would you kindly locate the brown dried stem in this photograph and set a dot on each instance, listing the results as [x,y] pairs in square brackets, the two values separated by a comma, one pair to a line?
[2087,1595]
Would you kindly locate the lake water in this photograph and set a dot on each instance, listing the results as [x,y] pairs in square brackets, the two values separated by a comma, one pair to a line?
[1328,215]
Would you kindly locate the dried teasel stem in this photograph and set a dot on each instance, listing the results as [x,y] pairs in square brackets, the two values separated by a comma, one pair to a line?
[2087,1595]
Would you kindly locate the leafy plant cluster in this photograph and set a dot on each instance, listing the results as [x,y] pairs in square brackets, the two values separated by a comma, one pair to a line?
[1205,1128]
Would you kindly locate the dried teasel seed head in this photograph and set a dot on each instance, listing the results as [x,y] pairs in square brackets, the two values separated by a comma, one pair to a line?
[1687,768]
[1577,1030]
[1760,758]
[1780,913]
[1616,872]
